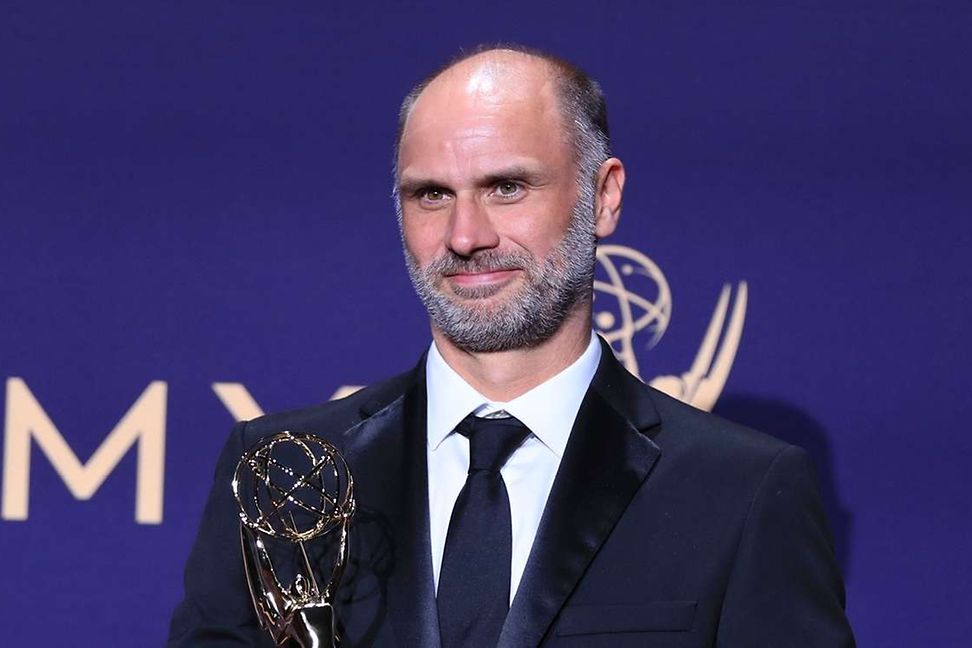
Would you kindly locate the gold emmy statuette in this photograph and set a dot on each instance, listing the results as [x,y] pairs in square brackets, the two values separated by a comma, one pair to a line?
[291,489]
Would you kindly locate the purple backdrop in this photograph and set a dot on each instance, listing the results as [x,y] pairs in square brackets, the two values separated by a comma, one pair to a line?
[198,192]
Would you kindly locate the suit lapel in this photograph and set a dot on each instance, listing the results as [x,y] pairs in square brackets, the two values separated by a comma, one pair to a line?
[388,457]
[606,460]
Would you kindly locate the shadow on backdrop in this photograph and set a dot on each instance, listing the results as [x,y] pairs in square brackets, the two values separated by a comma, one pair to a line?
[786,422]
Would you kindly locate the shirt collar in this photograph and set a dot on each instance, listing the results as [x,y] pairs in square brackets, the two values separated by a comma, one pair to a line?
[549,409]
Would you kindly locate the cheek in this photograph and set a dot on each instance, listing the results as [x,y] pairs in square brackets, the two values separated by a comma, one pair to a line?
[540,227]
[422,235]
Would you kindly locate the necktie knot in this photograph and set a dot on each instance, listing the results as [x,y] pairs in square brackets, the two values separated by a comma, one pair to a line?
[492,440]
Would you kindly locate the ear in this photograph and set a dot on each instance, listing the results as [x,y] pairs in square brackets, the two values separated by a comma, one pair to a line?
[607,201]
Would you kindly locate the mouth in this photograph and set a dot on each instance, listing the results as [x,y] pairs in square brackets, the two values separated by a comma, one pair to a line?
[485,278]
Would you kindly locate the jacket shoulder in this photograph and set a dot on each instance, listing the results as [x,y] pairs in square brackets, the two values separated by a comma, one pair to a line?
[687,429]
[331,419]
[679,429]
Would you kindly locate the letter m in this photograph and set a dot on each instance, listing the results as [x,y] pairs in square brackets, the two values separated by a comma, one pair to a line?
[26,419]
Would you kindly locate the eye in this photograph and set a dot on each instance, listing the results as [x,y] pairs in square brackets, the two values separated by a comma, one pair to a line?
[508,189]
[431,195]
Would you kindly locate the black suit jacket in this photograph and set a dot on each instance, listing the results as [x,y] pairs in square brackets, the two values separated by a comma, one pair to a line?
[665,527]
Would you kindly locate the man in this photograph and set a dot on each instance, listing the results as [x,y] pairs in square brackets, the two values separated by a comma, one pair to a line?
[519,487]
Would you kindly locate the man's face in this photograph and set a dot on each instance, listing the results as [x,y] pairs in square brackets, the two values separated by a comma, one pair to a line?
[497,244]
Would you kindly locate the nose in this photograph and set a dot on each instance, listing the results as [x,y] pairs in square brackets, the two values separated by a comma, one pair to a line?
[470,228]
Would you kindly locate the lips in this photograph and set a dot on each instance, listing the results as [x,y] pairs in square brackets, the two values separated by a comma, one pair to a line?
[482,277]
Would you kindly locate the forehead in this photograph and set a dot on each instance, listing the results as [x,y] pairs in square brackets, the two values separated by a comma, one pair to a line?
[484,113]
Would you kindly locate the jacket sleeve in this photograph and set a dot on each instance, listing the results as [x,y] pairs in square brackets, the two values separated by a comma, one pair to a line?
[785,588]
[216,610]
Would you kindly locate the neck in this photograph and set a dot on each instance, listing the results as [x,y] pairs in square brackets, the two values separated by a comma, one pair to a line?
[503,375]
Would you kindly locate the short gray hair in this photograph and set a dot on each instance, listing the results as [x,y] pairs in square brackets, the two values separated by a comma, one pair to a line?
[582,106]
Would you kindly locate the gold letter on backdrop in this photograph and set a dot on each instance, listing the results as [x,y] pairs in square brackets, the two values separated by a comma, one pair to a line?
[26,419]
[237,399]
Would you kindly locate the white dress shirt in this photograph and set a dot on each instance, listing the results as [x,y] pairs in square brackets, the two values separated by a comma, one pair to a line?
[549,410]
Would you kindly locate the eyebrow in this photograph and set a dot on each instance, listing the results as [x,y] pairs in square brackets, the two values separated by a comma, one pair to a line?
[518,172]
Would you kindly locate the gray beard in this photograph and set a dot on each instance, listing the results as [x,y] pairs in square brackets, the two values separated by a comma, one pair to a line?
[525,319]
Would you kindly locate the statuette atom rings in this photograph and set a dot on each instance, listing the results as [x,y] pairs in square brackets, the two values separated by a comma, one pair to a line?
[293,487]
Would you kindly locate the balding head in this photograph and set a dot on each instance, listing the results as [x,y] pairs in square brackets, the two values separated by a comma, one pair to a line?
[503,72]
[483,82]
[481,94]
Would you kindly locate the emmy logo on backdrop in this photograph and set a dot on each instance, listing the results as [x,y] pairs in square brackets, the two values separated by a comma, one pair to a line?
[292,489]
[623,309]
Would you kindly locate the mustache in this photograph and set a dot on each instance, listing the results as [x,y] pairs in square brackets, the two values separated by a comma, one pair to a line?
[485,261]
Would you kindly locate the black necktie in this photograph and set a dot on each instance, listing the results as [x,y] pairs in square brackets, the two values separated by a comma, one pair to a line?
[474,579]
